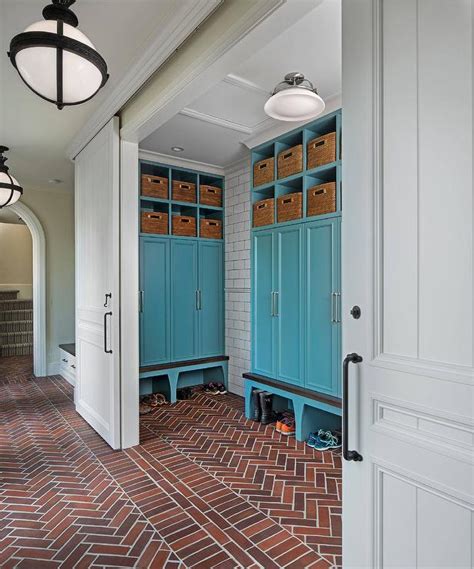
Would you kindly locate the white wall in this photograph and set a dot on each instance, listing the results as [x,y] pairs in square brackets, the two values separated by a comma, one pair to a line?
[16,259]
[237,273]
[55,211]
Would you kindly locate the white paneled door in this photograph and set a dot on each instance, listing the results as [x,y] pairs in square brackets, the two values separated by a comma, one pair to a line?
[408,265]
[97,393]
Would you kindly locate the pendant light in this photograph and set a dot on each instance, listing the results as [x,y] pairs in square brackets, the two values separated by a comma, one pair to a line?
[10,189]
[56,60]
[294,99]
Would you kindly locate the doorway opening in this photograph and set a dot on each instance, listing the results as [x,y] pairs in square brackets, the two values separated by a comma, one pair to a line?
[22,292]
[240,306]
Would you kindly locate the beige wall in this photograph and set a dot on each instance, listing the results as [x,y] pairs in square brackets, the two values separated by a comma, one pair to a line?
[55,211]
[16,259]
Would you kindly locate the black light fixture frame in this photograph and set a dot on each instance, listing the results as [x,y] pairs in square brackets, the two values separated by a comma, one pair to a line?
[58,10]
[11,186]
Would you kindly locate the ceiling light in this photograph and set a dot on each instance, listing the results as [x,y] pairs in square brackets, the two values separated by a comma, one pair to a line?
[177,148]
[10,189]
[56,60]
[294,99]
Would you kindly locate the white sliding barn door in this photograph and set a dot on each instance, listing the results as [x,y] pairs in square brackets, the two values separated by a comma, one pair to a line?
[408,264]
[97,393]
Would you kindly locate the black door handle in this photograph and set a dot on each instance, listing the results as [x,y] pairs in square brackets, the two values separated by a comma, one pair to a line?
[346,453]
[106,350]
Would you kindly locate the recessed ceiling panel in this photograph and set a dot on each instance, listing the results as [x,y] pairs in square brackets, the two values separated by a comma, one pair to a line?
[202,141]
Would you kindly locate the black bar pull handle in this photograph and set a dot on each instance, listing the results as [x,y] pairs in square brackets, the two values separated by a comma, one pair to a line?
[106,349]
[346,453]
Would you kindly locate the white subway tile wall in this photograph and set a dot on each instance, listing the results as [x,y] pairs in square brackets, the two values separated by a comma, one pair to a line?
[237,274]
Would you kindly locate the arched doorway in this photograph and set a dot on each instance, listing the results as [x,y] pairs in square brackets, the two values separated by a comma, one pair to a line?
[39,286]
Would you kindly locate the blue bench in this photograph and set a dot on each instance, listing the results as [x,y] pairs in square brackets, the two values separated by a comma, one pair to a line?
[174,371]
[312,410]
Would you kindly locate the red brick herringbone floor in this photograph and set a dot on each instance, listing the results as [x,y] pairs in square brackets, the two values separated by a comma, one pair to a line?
[206,488]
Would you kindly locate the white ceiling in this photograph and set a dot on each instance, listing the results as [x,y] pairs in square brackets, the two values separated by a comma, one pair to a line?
[36,132]
[8,216]
[216,127]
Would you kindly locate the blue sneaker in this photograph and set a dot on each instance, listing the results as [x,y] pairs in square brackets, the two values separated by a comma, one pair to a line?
[312,440]
[326,440]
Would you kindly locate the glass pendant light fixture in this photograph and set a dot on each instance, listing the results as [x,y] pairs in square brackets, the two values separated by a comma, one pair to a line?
[10,189]
[56,60]
[294,99]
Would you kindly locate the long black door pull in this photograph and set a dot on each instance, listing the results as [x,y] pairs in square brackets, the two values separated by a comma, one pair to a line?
[346,453]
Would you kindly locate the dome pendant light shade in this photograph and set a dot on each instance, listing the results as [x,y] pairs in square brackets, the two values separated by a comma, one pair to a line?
[10,189]
[56,60]
[294,99]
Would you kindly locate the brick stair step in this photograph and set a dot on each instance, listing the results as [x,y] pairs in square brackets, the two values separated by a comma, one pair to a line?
[16,350]
[15,304]
[16,326]
[11,315]
[8,294]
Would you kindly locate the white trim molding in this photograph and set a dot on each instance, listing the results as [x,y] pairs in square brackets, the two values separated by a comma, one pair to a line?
[39,286]
[185,17]
[180,162]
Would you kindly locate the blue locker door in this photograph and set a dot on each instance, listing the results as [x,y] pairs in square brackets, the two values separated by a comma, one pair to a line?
[211,300]
[289,305]
[263,321]
[154,317]
[184,284]
[323,327]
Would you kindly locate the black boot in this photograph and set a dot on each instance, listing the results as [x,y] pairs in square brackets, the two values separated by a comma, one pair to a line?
[266,402]
[256,407]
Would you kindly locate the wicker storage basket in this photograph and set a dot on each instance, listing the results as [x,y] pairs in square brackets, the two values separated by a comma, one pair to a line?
[290,207]
[264,171]
[154,222]
[184,191]
[321,150]
[184,225]
[210,228]
[264,212]
[210,195]
[154,186]
[322,199]
[290,161]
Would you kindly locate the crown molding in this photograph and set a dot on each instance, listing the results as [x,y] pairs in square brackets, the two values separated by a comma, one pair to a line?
[180,162]
[173,30]
[204,117]
[237,81]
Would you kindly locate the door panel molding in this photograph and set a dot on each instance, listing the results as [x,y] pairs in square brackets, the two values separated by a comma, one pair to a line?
[443,433]
[383,355]
[418,483]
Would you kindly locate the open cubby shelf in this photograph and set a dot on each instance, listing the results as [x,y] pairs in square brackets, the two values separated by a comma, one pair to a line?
[305,179]
[175,207]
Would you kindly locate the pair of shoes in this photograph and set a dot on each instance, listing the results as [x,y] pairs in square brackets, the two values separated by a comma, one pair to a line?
[324,440]
[262,402]
[154,399]
[215,389]
[184,393]
[285,423]
[144,409]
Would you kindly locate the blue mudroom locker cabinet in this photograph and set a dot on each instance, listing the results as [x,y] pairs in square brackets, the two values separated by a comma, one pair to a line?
[296,274]
[181,276]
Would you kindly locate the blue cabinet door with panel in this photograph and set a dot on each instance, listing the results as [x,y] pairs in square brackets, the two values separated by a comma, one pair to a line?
[263,322]
[184,286]
[323,327]
[154,286]
[211,299]
[289,304]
